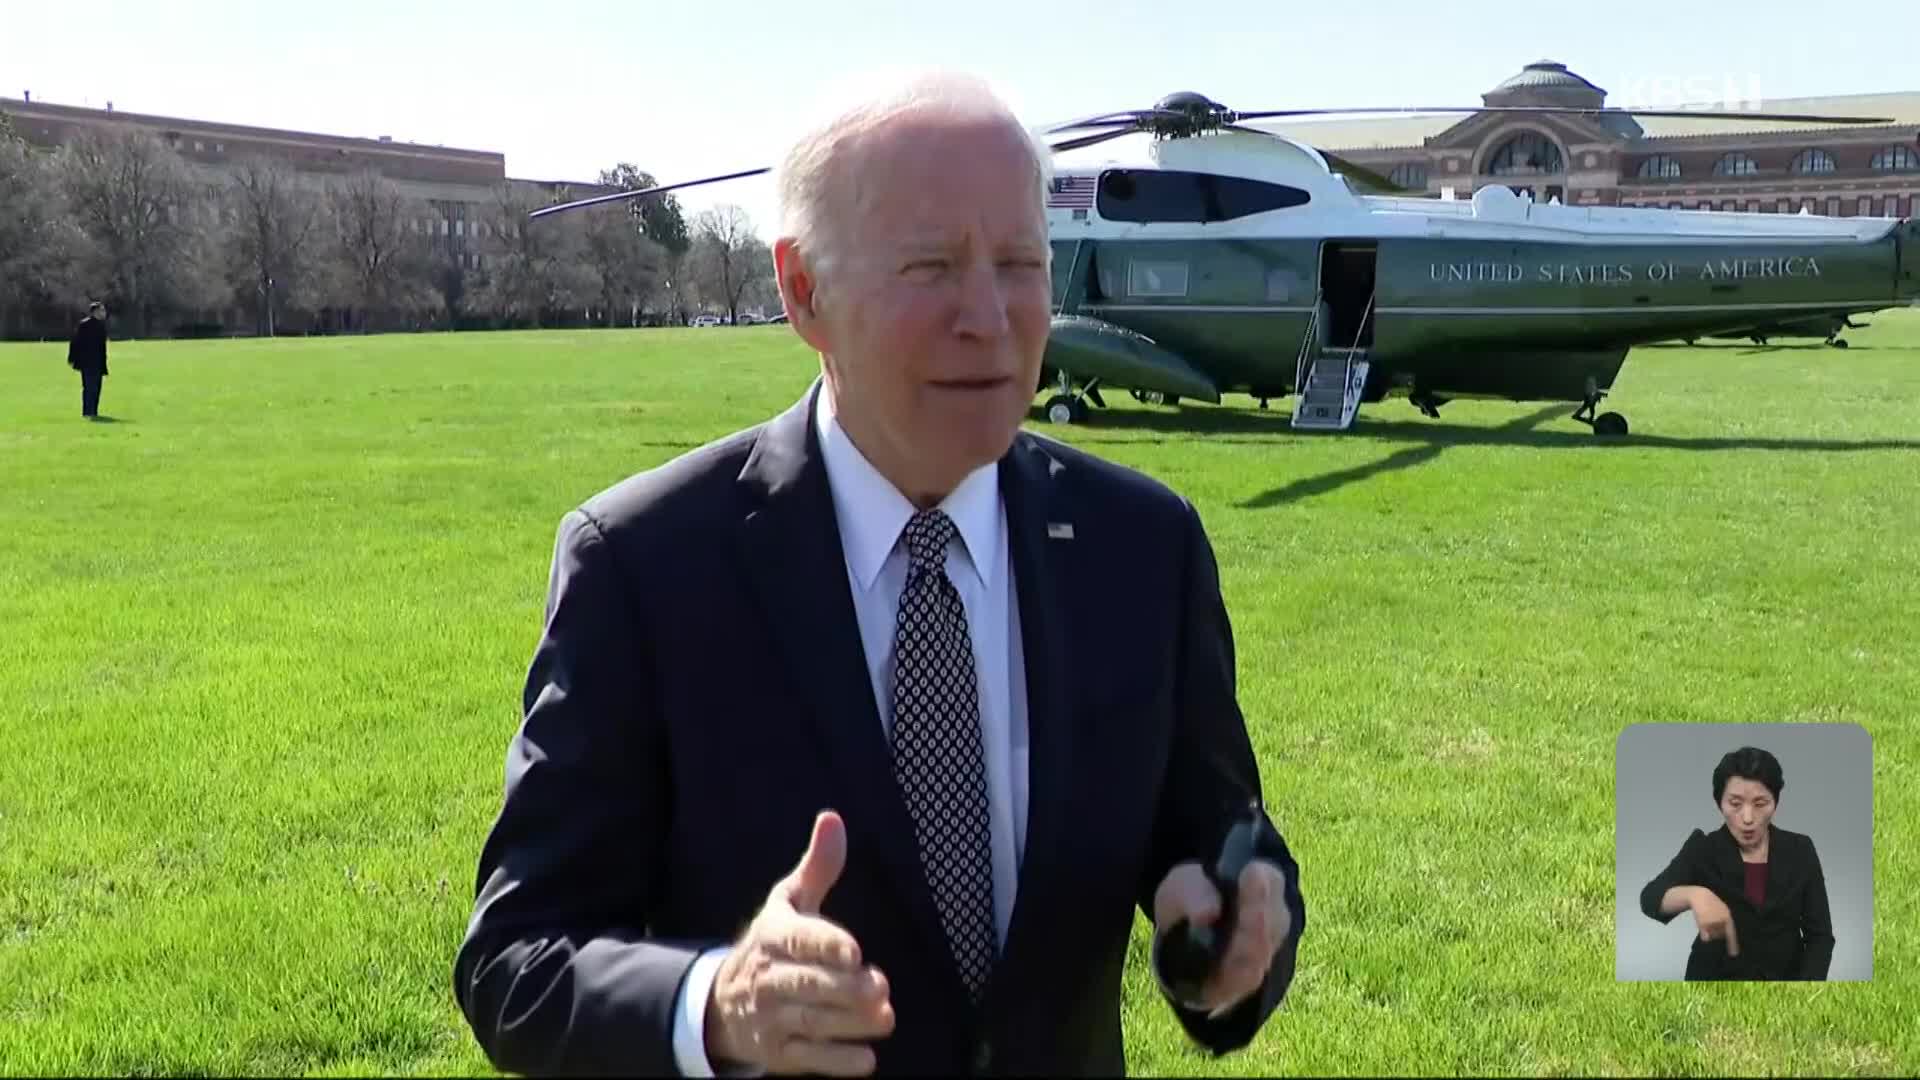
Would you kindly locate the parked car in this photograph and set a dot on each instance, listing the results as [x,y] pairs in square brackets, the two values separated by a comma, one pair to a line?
[706,320]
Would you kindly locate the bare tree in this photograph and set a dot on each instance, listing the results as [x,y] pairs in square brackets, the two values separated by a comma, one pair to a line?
[378,266]
[625,261]
[271,242]
[39,242]
[728,256]
[136,201]
[541,271]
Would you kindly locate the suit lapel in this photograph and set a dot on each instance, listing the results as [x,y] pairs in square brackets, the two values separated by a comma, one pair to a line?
[1782,870]
[792,551]
[1039,541]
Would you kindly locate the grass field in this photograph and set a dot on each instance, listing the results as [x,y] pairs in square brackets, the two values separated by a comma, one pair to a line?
[262,640]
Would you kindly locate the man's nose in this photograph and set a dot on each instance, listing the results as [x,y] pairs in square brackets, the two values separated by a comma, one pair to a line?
[983,301]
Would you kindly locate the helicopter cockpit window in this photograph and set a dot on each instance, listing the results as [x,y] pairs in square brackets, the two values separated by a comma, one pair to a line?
[1169,195]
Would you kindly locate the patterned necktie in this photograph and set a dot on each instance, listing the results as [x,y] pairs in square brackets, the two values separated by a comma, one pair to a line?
[937,757]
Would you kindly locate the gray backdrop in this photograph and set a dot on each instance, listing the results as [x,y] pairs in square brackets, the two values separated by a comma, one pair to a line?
[1663,789]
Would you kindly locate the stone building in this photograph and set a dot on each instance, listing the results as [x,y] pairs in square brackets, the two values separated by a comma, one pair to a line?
[1679,162]
[458,189]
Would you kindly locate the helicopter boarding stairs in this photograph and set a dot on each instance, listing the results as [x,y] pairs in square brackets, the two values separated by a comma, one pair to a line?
[1328,378]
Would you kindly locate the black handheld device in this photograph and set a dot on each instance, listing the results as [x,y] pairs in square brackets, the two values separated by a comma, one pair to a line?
[1184,955]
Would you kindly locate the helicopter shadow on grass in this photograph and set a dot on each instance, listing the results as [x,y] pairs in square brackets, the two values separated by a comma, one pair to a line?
[1748,348]
[1429,438]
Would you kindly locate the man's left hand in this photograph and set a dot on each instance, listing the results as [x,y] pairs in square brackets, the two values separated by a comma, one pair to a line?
[1261,924]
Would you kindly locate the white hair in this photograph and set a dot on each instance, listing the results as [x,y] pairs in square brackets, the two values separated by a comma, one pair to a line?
[821,189]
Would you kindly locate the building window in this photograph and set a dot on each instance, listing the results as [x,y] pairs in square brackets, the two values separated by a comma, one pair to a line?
[1526,154]
[1411,175]
[1897,159]
[1660,167]
[1753,206]
[1735,164]
[1813,161]
[1866,206]
[1784,206]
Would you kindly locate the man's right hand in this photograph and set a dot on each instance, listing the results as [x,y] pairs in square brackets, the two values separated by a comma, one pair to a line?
[1715,921]
[793,995]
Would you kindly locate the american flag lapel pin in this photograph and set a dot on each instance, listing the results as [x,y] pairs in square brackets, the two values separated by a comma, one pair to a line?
[1059,530]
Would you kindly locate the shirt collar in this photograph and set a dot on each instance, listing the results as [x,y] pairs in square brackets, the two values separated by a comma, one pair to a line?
[872,512]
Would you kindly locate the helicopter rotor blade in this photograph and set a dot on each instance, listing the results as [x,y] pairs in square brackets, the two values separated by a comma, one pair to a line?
[1091,140]
[1558,110]
[1129,116]
[640,192]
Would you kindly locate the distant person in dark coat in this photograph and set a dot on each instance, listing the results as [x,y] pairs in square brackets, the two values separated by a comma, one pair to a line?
[87,354]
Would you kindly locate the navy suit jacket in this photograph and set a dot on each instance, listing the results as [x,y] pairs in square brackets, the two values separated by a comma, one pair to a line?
[699,694]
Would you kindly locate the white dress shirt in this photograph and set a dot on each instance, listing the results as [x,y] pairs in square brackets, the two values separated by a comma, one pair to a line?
[872,513]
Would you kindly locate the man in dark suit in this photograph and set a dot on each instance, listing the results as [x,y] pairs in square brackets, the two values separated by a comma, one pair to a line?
[87,354]
[1757,892]
[855,739]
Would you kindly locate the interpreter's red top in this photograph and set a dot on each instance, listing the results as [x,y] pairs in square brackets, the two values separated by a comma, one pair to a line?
[1756,882]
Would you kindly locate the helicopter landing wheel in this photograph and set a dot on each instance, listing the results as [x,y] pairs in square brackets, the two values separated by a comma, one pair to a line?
[1066,409]
[1584,413]
[1610,425]
[1838,343]
[1429,403]
[1155,397]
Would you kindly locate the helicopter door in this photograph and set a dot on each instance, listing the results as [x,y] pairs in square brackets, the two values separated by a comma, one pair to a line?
[1346,287]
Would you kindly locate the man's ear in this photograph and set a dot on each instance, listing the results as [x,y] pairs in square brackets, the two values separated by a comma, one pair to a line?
[799,291]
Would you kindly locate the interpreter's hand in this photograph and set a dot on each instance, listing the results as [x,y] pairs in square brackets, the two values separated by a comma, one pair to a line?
[1260,925]
[793,995]
[1715,921]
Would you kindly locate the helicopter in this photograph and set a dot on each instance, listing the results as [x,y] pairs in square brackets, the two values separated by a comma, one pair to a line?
[1231,259]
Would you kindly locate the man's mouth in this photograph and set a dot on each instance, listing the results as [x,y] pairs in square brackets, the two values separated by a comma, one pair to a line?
[992,383]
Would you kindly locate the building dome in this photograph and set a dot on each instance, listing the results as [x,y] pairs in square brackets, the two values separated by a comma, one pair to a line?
[1546,73]
[1546,82]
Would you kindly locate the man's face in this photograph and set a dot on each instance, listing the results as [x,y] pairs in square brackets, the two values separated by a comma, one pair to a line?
[934,321]
[1748,807]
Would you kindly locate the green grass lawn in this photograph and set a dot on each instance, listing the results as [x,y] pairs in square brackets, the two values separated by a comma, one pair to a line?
[262,641]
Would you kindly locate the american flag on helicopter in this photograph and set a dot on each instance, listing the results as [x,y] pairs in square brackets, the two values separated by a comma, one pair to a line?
[1071,193]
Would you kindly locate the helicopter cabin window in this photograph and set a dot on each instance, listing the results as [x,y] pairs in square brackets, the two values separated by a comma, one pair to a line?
[1156,277]
[1147,195]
